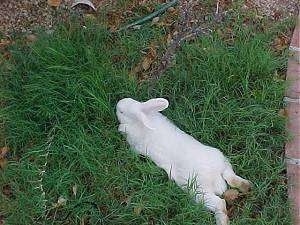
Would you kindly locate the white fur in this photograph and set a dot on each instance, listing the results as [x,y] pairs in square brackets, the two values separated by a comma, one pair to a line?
[184,158]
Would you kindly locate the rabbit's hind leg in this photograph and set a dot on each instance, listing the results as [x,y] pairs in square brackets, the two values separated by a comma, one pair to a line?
[236,181]
[216,205]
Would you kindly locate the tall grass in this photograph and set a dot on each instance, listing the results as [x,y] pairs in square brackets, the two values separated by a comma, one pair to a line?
[60,96]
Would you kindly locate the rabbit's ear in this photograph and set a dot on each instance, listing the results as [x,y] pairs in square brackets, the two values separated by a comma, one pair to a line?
[144,120]
[155,104]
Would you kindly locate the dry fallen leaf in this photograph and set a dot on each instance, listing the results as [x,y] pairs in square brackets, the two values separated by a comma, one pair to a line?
[60,202]
[146,63]
[114,19]
[7,191]
[136,70]
[126,201]
[74,189]
[3,163]
[155,20]
[149,58]
[169,39]
[54,3]
[137,210]
[280,43]
[282,112]
[137,27]
[6,55]
[4,43]
[2,220]
[171,9]
[89,16]
[3,160]
[31,38]
[3,151]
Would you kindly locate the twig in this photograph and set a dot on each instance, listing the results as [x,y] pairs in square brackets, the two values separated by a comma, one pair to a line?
[194,33]
[186,31]
[217,10]
[150,16]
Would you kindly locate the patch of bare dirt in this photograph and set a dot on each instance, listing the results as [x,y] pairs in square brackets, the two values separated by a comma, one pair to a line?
[24,16]
[276,9]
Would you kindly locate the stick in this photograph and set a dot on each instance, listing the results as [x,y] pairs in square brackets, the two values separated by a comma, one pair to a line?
[217,10]
[150,16]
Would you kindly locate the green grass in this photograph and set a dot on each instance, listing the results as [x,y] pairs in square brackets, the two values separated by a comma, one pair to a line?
[60,96]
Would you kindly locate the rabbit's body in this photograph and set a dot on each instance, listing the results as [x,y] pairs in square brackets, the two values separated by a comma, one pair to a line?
[170,153]
[182,157]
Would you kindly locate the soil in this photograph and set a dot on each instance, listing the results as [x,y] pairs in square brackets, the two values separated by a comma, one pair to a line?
[27,15]
[276,9]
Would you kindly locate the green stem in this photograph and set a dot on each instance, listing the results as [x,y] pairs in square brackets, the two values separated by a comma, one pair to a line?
[151,16]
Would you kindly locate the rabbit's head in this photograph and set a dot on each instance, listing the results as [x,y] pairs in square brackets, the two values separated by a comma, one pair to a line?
[130,111]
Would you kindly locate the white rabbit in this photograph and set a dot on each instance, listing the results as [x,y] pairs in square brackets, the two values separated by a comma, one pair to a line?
[184,158]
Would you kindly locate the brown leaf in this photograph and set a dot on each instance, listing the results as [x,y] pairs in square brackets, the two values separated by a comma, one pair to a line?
[169,39]
[89,16]
[2,220]
[137,210]
[149,58]
[171,10]
[6,190]
[146,63]
[135,70]
[31,38]
[3,160]
[126,201]
[3,163]
[6,55]
[224,4]
[3,151]
[103,209]
[4,43]
[114,19]
[54,3]
[280,43]
[282,112]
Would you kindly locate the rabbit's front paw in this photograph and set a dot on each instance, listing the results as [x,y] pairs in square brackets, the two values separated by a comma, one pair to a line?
[122,128]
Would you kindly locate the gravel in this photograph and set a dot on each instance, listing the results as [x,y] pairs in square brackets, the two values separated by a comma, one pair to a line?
[276,9]
[27,15]
[24,15]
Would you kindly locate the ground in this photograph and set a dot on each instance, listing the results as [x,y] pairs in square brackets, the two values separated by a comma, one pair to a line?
[28,15]
[62,156]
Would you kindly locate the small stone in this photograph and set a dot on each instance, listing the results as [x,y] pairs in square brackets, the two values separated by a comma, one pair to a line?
[155,20]
[137,27]
[171,9]
[31,37]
